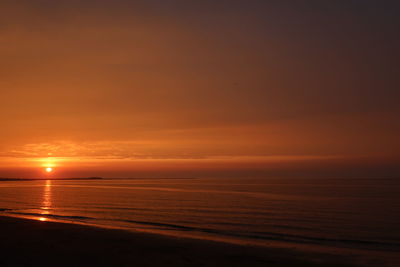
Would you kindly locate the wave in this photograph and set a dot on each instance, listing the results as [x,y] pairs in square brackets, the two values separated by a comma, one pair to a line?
[271,236]
[260,235]
[54,216]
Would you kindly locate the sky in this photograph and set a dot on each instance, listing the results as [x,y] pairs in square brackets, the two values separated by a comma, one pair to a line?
[199,88]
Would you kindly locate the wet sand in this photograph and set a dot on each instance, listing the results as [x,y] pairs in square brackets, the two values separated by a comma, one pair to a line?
[28,242]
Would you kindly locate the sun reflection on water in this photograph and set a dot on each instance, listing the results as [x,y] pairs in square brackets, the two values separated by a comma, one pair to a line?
[46,203]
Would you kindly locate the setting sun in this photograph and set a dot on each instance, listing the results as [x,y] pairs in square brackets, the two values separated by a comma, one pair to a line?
[202,132]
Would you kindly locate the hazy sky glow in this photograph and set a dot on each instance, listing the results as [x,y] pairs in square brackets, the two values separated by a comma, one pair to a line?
[158,88]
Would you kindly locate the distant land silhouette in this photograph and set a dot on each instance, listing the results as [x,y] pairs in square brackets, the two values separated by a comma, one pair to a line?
[34,179]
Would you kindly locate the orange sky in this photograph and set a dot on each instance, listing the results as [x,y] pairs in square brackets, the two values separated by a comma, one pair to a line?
[143,88]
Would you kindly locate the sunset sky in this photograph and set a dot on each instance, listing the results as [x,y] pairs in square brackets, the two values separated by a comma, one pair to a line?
[199,88]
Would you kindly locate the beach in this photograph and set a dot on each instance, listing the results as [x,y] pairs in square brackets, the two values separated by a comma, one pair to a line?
[199,133]
[198,222]
[31,242]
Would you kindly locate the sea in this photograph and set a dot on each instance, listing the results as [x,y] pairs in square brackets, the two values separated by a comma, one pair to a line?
[341,213]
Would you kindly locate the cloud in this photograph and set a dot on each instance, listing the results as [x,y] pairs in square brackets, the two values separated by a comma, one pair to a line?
[198,80]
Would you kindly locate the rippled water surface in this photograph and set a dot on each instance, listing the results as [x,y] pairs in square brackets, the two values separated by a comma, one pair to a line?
[361,213]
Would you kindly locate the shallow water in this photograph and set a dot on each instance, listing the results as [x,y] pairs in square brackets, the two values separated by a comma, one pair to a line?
[355,213]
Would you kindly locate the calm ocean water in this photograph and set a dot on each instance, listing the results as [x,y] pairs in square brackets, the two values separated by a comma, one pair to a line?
[356,213]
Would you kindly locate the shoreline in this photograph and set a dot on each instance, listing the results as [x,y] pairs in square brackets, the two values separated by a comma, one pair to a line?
[266,243]
[28,242]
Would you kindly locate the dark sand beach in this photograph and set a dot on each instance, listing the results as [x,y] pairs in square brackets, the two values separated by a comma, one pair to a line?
[28,242]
